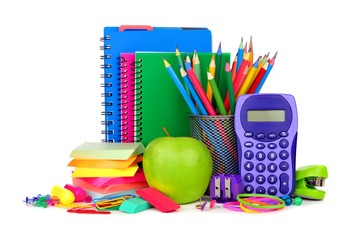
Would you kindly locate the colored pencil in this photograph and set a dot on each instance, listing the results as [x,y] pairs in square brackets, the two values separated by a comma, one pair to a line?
[258,78]
[180,87]
[212,68]
[240,54]
[233,67]
[239,78]
[262,81]
[181,63]
[216,93]
[230,89]
[180,60]
[187,59]
[199,89]
[193,91]
[197,66]
[248,79]
[218,64]
[262,61]
[251,51]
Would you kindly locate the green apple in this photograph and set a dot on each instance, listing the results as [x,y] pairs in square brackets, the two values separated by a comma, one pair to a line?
[179,167]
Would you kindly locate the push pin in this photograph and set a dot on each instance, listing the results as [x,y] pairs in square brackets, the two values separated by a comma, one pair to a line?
[30,201]
[308,178]
[201,205]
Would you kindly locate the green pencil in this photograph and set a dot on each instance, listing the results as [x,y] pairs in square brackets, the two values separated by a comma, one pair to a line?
[181,63]
[197,68]
[216,93]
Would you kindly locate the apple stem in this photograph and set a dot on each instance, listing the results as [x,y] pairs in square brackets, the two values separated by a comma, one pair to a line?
[166,131]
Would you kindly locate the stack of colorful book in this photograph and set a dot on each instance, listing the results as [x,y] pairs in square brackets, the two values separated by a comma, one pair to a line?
[108,168]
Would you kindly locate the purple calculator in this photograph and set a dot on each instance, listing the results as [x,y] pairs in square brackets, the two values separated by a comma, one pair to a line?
[266,128]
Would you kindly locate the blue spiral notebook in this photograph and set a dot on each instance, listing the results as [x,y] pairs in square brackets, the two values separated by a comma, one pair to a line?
[132,38]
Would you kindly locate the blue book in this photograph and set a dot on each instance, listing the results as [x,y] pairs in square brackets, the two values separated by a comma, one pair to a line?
[132,38]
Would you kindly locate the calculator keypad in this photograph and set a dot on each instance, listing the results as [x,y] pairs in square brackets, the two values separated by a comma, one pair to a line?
[265,165]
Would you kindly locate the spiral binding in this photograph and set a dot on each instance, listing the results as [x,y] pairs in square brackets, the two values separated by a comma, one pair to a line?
[125,119]
[138,101]
[107,93]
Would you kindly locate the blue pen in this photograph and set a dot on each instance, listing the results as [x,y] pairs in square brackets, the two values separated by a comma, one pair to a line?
[182,90]
[193,91]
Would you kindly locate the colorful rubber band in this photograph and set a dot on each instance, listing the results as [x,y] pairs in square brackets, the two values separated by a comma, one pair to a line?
[243,199]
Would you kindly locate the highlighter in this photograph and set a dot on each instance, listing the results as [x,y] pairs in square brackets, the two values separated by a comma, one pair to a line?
[65,196]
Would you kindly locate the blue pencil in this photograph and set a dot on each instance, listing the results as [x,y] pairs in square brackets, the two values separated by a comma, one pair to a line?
[240,55]
[182,90]
[270,66]
[193,92]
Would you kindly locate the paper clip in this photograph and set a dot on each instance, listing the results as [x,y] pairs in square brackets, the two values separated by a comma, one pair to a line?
[111,203]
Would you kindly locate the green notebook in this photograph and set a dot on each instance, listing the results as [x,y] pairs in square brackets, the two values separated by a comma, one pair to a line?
[158,101]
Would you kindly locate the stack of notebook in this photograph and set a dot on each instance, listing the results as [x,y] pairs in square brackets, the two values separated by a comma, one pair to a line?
[139,96]
[108,168]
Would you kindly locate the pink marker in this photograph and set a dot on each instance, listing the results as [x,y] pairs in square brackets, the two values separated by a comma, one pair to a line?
[78,192]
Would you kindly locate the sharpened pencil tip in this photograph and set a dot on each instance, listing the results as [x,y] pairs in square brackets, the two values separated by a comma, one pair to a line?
[227,67]
[166,63]
[275,54]
[219,49]
[177,52]
[210,76]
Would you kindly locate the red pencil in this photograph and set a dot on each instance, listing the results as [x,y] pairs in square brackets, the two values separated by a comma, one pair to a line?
[239,78]
[258,78]
[199,89]
[233,67]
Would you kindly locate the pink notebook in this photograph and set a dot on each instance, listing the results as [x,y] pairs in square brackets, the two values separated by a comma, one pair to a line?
[127,96]
[110,188]
[107,181]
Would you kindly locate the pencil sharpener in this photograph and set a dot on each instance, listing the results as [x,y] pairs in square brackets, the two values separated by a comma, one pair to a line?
[308,178]
[225,187]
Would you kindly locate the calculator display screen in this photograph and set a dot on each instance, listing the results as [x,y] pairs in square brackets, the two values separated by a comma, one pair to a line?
[265,115]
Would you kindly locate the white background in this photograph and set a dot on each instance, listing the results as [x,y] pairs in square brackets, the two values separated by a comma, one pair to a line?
[50,103]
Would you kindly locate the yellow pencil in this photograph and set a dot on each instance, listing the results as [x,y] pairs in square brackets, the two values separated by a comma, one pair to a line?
[212,69]
[262,61]
[248,79]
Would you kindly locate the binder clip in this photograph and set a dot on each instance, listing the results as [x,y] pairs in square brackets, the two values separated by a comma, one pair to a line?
[225,187]
[308,178]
